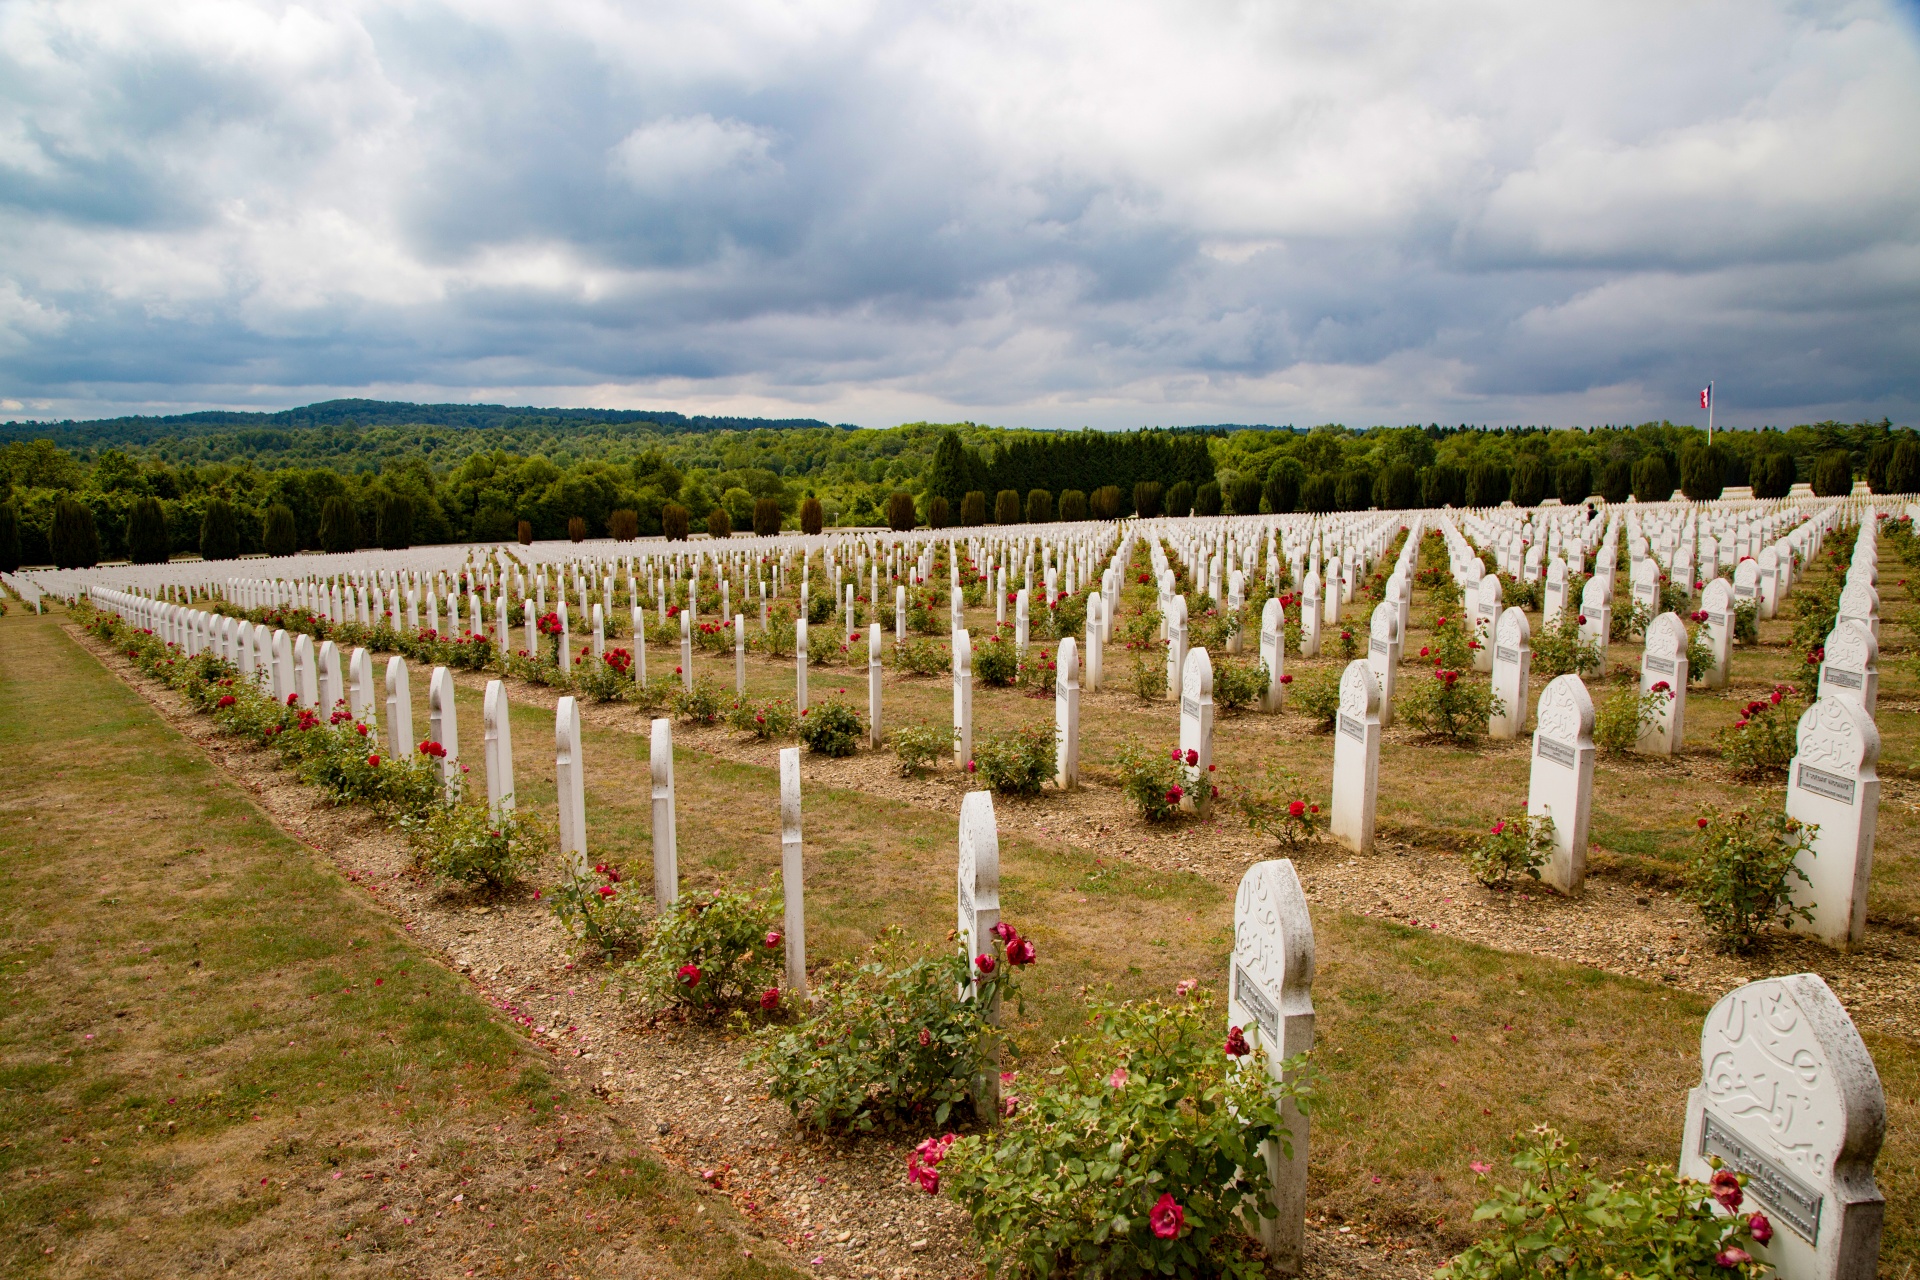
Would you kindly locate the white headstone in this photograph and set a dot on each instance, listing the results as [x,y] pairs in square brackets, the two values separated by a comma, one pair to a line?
[666,846]
[978,903]
[400,740]
[1196,728]
[570,786]
[1311,614]
[1273,652]
[1488,598]
[1596,619]
[305,676]
[1270,998]
[1717,602]
[444,725]
[1383,641]
[1356,757]
[1066,716]
[1096,640]
[1560,785]
[874,673]
[686,649]
[1834,782]
[793,873]
[497,724]
[1663,661]
[332,686]
[1789,1096]
[360,695]
[962,698]
[1176,622]
[800,664]
[1512,664]
[1849,665]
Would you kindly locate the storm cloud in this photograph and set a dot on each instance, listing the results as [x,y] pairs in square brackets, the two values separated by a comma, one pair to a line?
[1046,214]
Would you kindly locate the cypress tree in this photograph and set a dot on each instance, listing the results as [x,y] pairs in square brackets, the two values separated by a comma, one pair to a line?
[939,513]
[9,538]
[1206,499]
[1700,475]
[766,517]
[1073,505]
[1006,507]
[396,523]
[901,515]
[1486,484]
[147,541]
[1616,480]
[1529,480]
[219,531]
[1282,490]
[74,539]
[1039,507]
[1573,482]
[339,526]
[1903,469]
[675,521]
[973,508]
[1833,474]
[1179,499]
[813,517]
[1651,480]
[279,535]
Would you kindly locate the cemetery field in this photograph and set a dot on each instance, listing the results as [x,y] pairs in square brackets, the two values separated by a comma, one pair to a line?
[1447,1017]
[214,1057]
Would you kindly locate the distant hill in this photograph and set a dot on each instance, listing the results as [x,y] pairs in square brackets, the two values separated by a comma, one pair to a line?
[347,415]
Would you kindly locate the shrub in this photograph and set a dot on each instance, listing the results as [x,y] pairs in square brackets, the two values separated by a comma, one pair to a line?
[891,1039]
[1699,651]
[713,952]
[1625,714]
[719,523]
[773,718]
[995,661]
[1238,685]
[922,658]
[920,747]
[1558,650]
[1645,1223]
[1148,678]
[1451,645]
[1347,642]
[813,517]
[608,680]
[766,517]
[1739,875]
[279,536]
[1450,705]
[601,910]
[1629,621]
[1513,846]
[462,843]
[1276,803]
[1156,781]
[1015,762]
[1104,503]
[1761,743]
[1317,694]
[576,529]
[1139,1157]
[147,541]
[623,525]
[1816,608]
[675,521]
[702,704]
[1073,504]
[831,729]
[1746,622]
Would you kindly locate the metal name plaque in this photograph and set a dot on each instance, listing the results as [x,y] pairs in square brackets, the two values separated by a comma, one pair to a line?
[1377,645]
[1268,637]
[1189,707]
[1353,728]
[1255,1001]
[1792,1201]
[1663,665]
[966,899]
[1505,654]
[1845,679]
[1558,752]
[1822,783]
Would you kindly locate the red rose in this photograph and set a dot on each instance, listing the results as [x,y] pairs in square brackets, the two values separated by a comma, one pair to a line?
[1167,1217]
[1237,1043]
[770,999]
[689,975]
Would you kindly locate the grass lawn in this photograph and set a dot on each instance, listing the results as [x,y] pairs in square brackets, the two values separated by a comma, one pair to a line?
[213,1058]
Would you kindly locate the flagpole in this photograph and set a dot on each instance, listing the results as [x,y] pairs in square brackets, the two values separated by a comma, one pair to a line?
[1709,413]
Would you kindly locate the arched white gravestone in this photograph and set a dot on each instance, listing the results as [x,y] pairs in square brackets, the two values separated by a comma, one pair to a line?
[1554,599]
[1512,661]
[686,648]
[800,664]
[1833,782]
[874,672]
[563,647]
[400,742]
[1789,1096]
[1096,640]
[639,624]
[1333,586]
[962,697]
[1270,992]
[1770,581]
[1022,620]
[1310,614]
[1646,585]
[570,786]
[1356,758]
[793,872]
[245,650]
[360,695]
[1746,584]
[1561,781]
[1663,661]
[977,901]
[1597,611]
[1383,638]
[1066,716]
[666,838]
[599,640]
[1849,667]
[332,689]
[1176,622]
[1196,727]
[496,721]
[444,727]
[1488,598]
[1273,652]
[1860,603]
[305,677]
[1717,602]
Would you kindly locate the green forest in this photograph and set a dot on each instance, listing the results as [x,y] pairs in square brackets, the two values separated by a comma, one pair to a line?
[358,473]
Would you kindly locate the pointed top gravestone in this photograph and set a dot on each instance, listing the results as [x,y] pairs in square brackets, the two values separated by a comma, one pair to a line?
[570,786]
[1560,785]
[978,894]
[1356,758]
[497,722]
[1789,1096]
[1849,665]
[1512,662]
[400,741]
[1833,782]
[666,838]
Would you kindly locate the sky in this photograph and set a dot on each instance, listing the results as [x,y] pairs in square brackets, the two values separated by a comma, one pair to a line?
[1049,214]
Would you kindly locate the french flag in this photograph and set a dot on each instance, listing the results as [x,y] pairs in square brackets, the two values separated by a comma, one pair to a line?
[1706,396]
